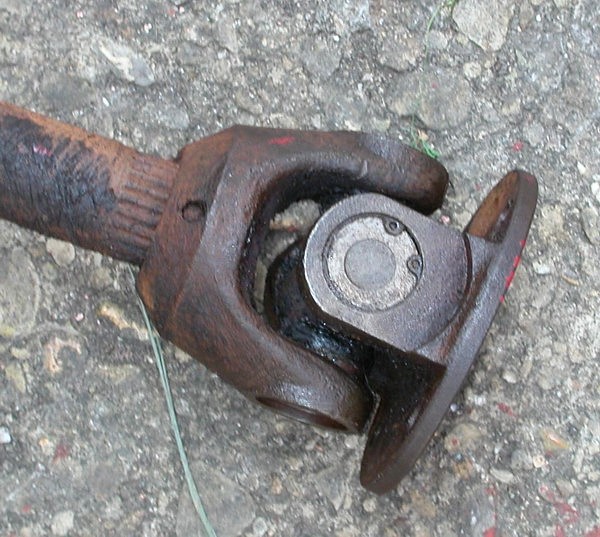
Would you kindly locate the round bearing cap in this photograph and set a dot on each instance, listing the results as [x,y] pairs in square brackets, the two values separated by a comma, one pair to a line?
[372,262]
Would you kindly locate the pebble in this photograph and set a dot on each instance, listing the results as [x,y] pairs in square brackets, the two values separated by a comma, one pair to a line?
[485,22]
[590,223]
[462,437]
[332,485]
[127,64]
[320,57]
[399,51]
[509,376]
[553,442]
[259,527]
[520,460]
[62,252]
[534,133]
[472,70]
[19,292]
[596,190]
[5,437]
[14,373]
[421,94]
[504,476]
[541,268]
[62,523]
[370,505]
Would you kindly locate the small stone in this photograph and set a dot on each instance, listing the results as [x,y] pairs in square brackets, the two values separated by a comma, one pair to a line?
[553,442]
[539,461]
[520,460]
[14,373]
[590,224]
[320,57]
[62,252]
[5,437]
[461,437]
[101,278]
[127,64]
[19,353]
[509,376]
[582,168]
[332,486]
[399,51]
[259,527]
[472,70]
[422,94]
[19,292]
[596,190]
[437,40]
[167,115]
[181,356]
[534,133]
[116,316]
[541,268]
[370,505]
[485,22]
[62,523]
[276,486]
[52,351]
[226,33]
[423,505]
[504,476]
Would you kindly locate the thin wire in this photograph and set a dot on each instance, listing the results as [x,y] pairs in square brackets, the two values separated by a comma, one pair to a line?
[164,378]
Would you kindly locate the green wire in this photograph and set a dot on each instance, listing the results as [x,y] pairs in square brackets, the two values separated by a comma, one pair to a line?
[164,378]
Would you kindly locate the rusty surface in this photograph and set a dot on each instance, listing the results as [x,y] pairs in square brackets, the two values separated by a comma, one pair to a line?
[64,182]
[197,226]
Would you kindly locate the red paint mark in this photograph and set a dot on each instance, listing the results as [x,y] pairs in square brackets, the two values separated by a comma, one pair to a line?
[559,531]
[511,274]
[283,140]
[491,492]
[41,150]
[26,509]
[516,261]
[504,408]
[61,452]
[509,279]
[595,532]
[490,532]
[567,512]
[517,146]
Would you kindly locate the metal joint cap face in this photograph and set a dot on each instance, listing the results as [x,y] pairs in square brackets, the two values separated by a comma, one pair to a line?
[367,262]
[376,265]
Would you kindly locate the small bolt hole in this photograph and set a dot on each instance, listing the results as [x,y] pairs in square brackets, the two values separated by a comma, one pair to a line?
[393,227]
[415,265]
[194,211]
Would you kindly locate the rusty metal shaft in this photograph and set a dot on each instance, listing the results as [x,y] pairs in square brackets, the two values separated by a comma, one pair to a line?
[64,182]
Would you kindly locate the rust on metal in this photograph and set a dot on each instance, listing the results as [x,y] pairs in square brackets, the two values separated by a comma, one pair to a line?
[370,323]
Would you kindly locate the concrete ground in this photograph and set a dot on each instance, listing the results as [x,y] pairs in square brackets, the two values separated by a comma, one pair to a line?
[85,441]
